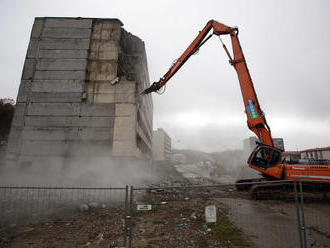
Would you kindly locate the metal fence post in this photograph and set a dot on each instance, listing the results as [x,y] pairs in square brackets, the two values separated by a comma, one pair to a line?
[298,213]
[131,217]
[125,217]
[302,212]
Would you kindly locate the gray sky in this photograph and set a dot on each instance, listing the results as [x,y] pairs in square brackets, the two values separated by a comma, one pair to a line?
[286,45]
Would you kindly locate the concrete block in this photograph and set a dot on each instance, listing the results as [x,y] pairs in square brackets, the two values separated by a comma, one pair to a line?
[59,75]
[53,97]
[76,33]
[61,65]
[68,121]
[45,148]
[106,55]
[125,110]
[63,54]
[68,23]
[33,48]
[71,44]
[100,70]
[97,109]
[24,91]
[125,98]
[29,69]
[123,149]
[58,86]
[14,140]
[18,119]
[106,122]
[37,28]
[101,98]
[96,134]
[54,109]
[124,129]
[104,46]
[50,134]
[52,121]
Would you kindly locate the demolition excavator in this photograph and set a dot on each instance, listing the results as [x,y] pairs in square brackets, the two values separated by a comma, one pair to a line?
[266,158]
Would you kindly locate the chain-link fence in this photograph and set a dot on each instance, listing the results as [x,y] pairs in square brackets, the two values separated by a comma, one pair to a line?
[282,216]
[62,216]
[176,216]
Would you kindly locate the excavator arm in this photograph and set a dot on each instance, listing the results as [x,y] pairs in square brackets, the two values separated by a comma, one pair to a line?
[256,120]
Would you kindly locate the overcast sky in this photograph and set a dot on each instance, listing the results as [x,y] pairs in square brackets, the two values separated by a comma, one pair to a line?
[286,45]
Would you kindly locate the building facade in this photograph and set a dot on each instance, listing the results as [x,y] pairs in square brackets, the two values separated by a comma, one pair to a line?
[161,145]
[316,153]
[79,94]
[250,143]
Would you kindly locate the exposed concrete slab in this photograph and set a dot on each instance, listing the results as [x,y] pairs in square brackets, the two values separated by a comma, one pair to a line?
[37,28]
[69,121]
[74,134]
[58,33]
[98,109]
[33,49]
[59,75]
[61,65]
[55,97]
[60,86]
[18,119]
[68,23]
[24,91]
[54,109]
[29,69]
[63,54]
[71,44]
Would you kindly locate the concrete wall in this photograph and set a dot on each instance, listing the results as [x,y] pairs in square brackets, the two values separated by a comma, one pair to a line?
[161,146]
[73,96]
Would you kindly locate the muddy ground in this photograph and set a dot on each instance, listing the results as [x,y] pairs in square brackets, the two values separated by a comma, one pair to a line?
[177,219]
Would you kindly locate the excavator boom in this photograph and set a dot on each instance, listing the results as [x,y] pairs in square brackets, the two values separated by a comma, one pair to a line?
[256,120]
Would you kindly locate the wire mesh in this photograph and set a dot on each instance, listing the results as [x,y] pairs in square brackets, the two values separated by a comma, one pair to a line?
[177,217]
[62,216]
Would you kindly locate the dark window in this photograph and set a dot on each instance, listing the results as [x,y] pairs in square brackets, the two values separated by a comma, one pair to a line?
[266,157]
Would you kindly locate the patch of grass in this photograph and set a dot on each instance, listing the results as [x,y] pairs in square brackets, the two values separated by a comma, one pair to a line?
[227,234]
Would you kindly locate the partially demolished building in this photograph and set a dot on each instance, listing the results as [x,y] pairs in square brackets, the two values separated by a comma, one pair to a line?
[79,94]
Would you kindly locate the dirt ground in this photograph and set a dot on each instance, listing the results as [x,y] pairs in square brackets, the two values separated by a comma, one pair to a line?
[177,219]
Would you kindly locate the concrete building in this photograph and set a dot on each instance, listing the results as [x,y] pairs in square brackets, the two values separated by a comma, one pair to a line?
[250,143]
[292,156]
[161,145]
[279,143]
[79,94]
[316,153]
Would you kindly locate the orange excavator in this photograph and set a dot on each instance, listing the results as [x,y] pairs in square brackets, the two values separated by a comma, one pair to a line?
[266,158]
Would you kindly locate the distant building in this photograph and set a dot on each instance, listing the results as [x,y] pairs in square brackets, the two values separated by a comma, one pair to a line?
[161,145]
[316,153]
[250,143]
[279,143]
[292,156]
[179,158]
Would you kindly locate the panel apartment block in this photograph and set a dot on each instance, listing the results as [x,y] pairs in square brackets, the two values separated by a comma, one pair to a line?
[79,93]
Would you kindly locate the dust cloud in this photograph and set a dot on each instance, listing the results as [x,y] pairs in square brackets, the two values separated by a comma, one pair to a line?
[98,169]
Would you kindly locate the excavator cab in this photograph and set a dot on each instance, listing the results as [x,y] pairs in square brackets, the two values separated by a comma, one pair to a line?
[264,157]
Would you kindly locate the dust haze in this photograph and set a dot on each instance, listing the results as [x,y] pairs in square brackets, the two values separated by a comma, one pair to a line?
[97,169]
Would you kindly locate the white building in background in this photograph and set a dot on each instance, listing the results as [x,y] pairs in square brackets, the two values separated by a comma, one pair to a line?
[161,145]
